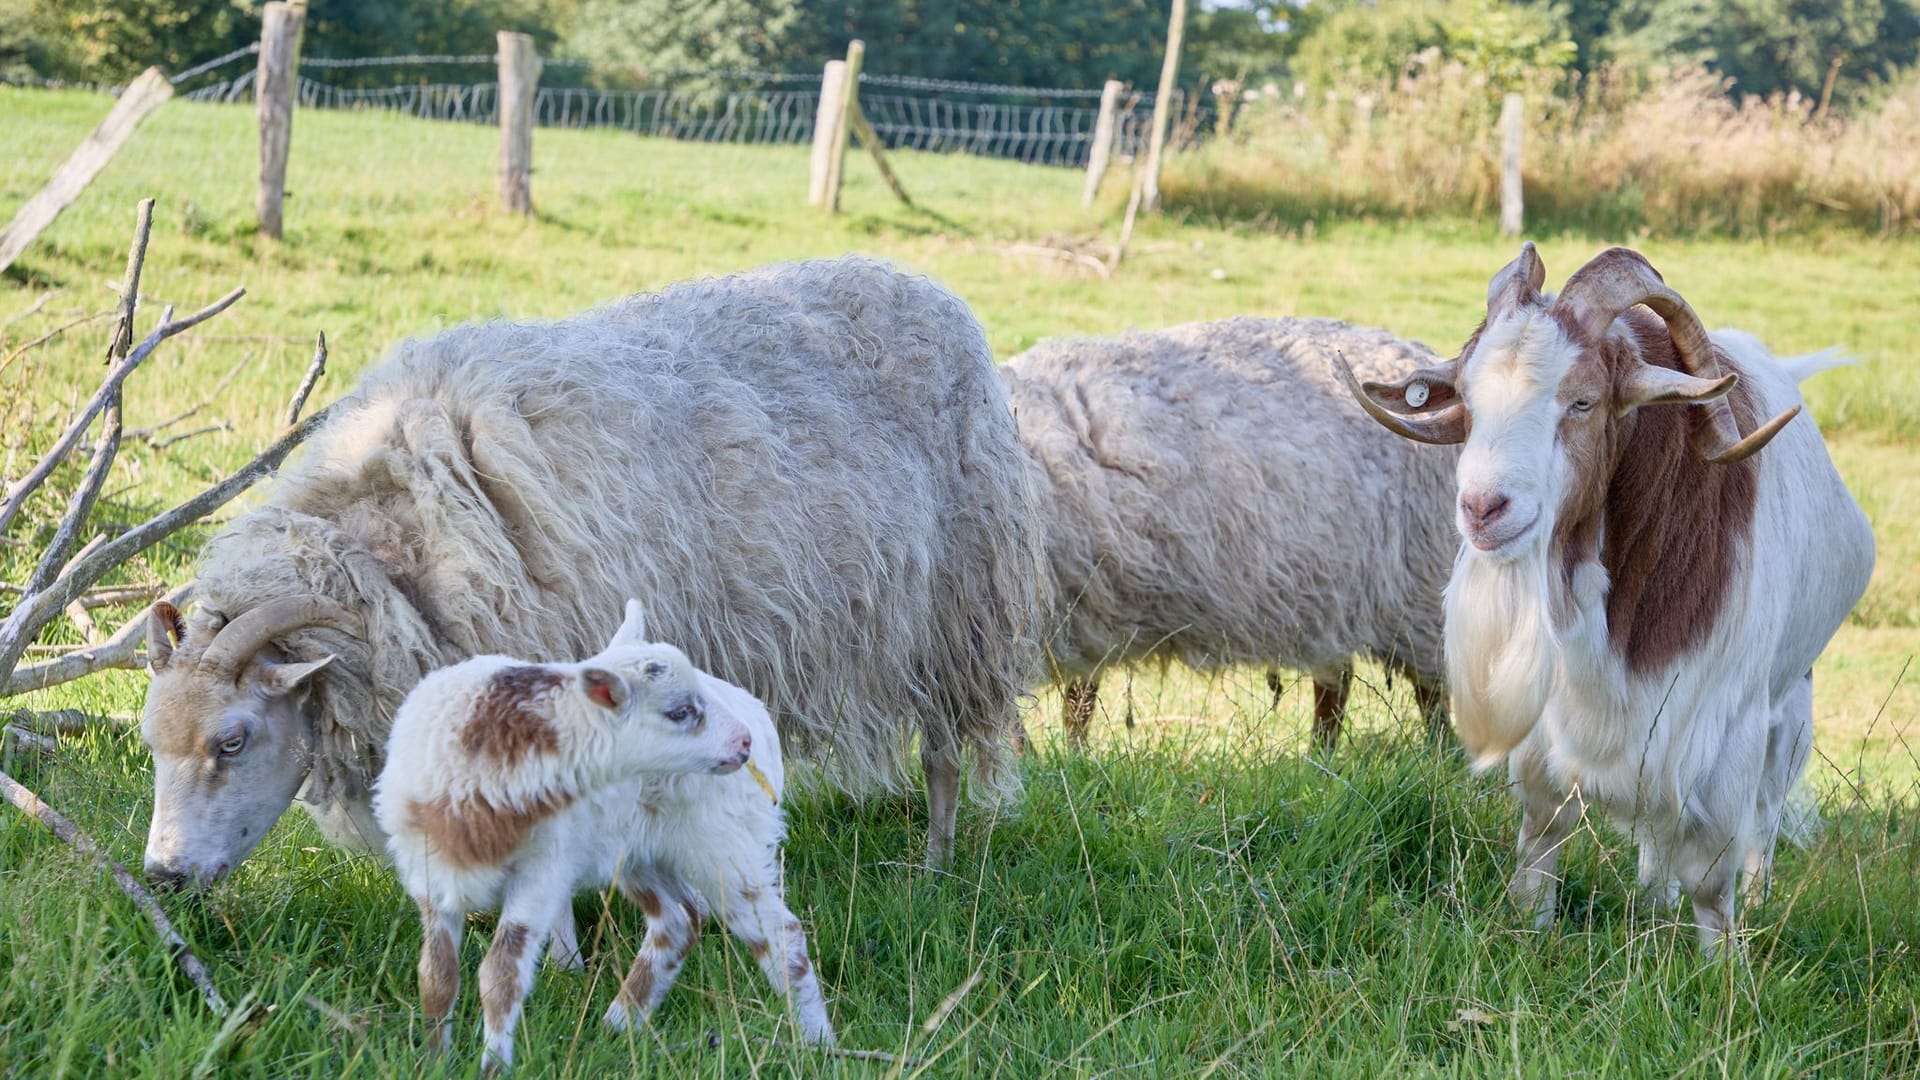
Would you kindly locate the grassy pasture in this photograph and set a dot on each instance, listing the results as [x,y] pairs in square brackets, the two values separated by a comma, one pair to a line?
[1194,896]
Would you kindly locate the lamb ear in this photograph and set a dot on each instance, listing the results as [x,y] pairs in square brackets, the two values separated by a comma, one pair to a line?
[276,680]
[604,688]
[166,629]
[633,627]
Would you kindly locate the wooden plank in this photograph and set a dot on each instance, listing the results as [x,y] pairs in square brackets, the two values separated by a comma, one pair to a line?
[519,79]
[870,139]
[826,120]
[1102,149]
[137,102]
[273,93]
[1513,126]
[1163,106]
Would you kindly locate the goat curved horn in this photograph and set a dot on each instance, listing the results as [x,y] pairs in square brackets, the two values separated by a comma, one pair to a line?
[1443,427]
[1618,279]
[239,640]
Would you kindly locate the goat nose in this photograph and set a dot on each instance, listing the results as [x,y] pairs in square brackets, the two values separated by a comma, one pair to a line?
[1485,508]
[744,747]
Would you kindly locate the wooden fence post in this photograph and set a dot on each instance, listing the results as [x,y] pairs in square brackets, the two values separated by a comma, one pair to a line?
[843,128]
[826,119]
[137,101]
[519,79]
[273,84]
[1102,148]
[1513,125]
[1163,106]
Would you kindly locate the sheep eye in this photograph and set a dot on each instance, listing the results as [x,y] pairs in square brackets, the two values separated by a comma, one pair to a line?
[233,746]
[1583,405]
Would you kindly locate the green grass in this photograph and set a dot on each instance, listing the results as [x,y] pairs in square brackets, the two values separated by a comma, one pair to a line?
[1195,894]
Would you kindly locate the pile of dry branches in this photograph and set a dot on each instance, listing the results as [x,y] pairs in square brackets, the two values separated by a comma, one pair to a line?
[66,573]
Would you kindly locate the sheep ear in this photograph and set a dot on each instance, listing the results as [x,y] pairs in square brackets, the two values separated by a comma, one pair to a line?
[277,680]
[633,627]
[166,629]
[604,688]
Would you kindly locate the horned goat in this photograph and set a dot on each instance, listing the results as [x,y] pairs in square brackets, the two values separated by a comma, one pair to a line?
[1634,618]
[512,785]
[810,469]
[1209,496]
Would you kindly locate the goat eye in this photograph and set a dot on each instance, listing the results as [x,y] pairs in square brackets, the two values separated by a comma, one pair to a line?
[233,746]
[1583,405]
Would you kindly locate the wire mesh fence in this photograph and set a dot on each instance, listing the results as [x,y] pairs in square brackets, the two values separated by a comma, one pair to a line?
[1037,125]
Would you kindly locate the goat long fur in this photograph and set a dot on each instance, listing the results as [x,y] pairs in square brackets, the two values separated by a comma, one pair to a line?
[808,472]
[1210,496]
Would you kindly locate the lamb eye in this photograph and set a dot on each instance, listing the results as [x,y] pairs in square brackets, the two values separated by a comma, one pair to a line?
[233,746]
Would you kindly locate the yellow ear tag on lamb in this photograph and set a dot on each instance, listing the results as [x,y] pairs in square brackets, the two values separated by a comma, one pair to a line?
[761,779]
[1416,394]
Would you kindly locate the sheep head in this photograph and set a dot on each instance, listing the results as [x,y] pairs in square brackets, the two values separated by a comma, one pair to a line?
[226,721]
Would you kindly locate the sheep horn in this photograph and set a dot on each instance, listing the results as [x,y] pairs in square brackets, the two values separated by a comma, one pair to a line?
[238,641]
[1620,278]
[1444,427]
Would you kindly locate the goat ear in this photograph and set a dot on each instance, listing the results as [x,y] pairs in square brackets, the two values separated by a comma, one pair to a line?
[278,680]
[1647,384]
[604,688]
[166,629]
[1420,393]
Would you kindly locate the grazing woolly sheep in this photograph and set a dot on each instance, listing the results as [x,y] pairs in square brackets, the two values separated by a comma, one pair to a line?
[810,468]
[512,785]
[1210,497]
[1634,618]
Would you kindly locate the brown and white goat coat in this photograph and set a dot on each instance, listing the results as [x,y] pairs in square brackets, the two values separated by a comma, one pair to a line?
[513,785]
[1636,612]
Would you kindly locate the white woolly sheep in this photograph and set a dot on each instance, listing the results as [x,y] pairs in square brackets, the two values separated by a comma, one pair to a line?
[1636,613]
[810,469]
[512,785]
[1210,497]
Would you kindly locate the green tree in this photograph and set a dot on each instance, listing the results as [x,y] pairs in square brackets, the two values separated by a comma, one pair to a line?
[1835,49]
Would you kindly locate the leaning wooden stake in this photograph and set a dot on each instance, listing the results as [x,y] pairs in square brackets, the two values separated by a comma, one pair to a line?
[870,139]
[519,79]
[137,102]
[273,92]
[31,805]
[1102,147]
[1513,126]
[1163,106]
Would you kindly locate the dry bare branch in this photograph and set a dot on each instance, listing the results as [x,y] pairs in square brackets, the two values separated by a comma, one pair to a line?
[109,391]
[146,434]
[29,311]
[30,740]
[56,722]
[50,335]
[32,805]
[162,444]
[314,371]
[122,339]
[120,651]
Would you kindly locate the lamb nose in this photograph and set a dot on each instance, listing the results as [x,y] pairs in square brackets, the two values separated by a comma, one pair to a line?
[1484,509]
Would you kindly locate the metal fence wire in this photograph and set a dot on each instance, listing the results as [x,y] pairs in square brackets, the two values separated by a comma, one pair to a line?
[1037,125]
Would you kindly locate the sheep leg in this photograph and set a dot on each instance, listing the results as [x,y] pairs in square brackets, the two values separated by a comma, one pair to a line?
[563,947]
[1079,697]
[943,803]
[439,971]
[506,974]
[1330,687]
[758,915]
[673,926]
[1432,702]
[1547,818]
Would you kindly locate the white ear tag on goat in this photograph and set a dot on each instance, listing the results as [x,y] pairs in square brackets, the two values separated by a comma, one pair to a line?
[1416,394]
